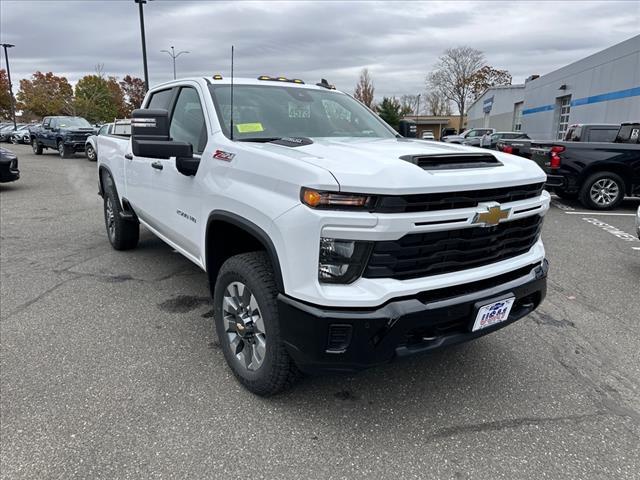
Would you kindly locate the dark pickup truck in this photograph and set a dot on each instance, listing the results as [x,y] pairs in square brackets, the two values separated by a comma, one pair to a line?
[67,135]
[580,132]
[599,174]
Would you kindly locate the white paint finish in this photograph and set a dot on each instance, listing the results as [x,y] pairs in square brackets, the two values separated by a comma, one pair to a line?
[262,185]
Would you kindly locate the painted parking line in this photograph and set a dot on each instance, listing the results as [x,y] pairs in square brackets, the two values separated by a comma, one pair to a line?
[615,231]
[611,214]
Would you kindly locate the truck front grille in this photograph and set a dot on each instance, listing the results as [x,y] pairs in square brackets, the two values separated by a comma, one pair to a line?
[426,202]
[433,253]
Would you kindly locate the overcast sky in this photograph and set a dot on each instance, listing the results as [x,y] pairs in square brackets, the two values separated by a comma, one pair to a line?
[398,41]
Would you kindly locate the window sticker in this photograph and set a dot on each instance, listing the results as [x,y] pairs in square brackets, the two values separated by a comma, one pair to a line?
[297,110]
[249,127]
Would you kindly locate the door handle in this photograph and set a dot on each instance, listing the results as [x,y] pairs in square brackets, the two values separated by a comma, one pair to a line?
[128,156]
[157,165]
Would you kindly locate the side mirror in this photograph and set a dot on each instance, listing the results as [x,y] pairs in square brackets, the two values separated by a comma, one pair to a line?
[150,136]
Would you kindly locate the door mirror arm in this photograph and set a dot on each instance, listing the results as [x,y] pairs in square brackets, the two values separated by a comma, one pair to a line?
[187,165]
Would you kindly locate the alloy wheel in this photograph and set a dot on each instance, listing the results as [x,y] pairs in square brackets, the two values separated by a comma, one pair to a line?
[244,326]
[111,219]
[604,192]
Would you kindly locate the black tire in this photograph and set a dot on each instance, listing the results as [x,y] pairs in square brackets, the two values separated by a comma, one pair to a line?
[615,195]
[277,371]
[123,234]
[566,195]
[91,153]
[63,151]
[37,148]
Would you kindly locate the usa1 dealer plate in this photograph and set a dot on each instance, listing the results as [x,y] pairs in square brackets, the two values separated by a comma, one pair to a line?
[493,313]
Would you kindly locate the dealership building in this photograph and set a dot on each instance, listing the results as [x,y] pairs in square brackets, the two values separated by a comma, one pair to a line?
[601,88]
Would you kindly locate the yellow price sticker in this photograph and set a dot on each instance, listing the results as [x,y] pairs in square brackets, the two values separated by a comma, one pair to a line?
[249,127]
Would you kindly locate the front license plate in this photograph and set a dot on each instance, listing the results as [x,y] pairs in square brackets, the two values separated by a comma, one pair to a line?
[496,312]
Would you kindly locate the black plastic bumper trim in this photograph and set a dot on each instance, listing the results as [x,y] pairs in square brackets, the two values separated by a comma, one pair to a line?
[399,328]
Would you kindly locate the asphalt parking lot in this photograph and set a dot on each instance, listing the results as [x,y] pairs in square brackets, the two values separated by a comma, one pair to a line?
[109,366]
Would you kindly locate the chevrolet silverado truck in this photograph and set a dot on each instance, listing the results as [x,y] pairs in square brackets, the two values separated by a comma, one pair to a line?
[330,242]
[579,132]
[599,174]
[66,135]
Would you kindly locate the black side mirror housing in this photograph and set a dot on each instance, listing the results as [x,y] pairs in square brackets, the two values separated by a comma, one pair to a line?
[150,136]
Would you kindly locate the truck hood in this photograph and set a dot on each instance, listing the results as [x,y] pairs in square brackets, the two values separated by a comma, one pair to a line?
[363,165]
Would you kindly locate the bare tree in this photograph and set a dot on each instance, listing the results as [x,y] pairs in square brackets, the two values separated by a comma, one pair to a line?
[453,74]
[437,104]
[364,89]
[410,104]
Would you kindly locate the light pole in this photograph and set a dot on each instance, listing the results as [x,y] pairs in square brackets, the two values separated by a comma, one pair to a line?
[173,56]
[6,57]
[144,43]
[418,107]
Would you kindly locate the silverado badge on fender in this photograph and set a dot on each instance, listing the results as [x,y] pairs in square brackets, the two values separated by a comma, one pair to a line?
[492,216]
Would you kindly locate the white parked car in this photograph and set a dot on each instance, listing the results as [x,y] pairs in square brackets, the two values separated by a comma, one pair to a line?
[330,242]
[638,222]
[427,135]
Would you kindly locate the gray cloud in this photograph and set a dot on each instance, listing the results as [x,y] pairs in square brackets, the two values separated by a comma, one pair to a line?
[397,41]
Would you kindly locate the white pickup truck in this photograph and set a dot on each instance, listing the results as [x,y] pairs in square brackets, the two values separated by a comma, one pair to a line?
[330,242]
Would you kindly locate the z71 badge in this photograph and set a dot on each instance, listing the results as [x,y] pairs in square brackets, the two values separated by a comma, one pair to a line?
[222,155]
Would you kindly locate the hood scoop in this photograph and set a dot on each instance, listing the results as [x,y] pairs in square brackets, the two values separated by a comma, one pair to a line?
[453,161]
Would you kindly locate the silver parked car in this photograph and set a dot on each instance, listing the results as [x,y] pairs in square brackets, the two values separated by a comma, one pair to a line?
[638,222]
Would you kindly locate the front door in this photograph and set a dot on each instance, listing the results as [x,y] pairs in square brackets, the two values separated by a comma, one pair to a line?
[180,195]
[141,172]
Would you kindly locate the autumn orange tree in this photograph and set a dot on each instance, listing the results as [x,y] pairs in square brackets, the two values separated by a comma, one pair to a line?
[46,94]
[134,91]
[5,98]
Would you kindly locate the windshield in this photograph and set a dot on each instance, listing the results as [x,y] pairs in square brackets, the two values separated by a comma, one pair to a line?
[76,122]
[262,112]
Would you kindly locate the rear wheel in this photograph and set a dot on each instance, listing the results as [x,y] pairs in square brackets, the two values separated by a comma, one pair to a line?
[123,233]
[248,327]
[602,191]
[37,148]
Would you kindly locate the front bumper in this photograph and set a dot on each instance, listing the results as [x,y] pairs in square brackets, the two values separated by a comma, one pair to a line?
[347,339]
[77,146]
[8,173]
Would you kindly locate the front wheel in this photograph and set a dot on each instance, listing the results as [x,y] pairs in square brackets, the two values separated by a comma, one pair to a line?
[63,151]
[37,148]
[91,154]
[602,191]
[248,327]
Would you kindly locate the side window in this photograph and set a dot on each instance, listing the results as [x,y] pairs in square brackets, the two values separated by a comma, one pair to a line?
[103,130]
[160,99]
[47,122]
[53,123]
[602,135]
[187,121]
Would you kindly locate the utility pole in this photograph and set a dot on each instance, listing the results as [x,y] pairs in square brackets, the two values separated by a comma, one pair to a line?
[418,107]
[13,108]
[173,56]
[144,43]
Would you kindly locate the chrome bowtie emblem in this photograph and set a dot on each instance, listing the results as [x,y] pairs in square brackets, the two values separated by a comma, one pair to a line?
[492,216]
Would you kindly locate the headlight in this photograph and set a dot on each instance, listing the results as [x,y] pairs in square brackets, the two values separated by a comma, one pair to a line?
[342,261]
[334,200]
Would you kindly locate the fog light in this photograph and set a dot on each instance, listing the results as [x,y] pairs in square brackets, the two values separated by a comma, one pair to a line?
[342,261]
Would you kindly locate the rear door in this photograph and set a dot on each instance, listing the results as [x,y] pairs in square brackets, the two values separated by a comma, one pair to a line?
[140,171]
